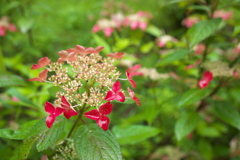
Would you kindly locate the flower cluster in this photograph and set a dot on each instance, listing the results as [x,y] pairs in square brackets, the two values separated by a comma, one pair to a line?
[86,79]
[5,25]
[119,20]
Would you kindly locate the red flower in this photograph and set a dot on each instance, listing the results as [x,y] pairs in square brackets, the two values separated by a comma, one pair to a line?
[41,77]
[65,56]
[100,115]
[131,93]
[115,93]
[2,31]
[69,111]
[108,31]
[207,77]
[12,27]
[129,77]
[117,55]
[41,63]
[133,70]
[84,51]
[54,112]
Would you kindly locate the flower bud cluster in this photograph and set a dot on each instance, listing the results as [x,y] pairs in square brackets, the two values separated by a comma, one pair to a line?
[85,79]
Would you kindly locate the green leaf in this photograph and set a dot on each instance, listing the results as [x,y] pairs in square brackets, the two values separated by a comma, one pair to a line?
[193,95]
[39,131]
[10,80]
[18,134]
[236,30]
[201,31]
[93,143]
[51,136]
[102,42]
[174,56]
[146,48]
[134,133]
[228,113]
[153,30]
[121,44]
[186,124]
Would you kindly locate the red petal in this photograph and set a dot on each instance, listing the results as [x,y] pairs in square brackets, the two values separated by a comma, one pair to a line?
[120,97]
[131,93]
[116,87]
[36,66]
[103,122]
[59,110]
[207,76]
[106,108]
[98,49]
[80,49]
[202,83]
[63,55]
[70,112]
[49,108]
[133,84]
[93,114]
[71,57]
[50,120]
[35,79]
[65,103]
[43,75]
[110,96]
[71,50]
[117,55]
[90,50]
[137,101]
[44,61]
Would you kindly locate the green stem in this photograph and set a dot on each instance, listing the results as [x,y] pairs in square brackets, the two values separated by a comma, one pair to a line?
[2,66]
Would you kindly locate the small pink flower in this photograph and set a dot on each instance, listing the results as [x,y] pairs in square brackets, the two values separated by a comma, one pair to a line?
[190,21]
[69,111]
[96,28]
[54,112]
[207,77]
[117,55]
[142,25]
[115,93]
[163,40]
[225,15]
[108,31]
[100,115]
[133,70]
[65,56]
[129,77]
[2,31]
[134,25]
[131,93]
[194,65]
[12,28]
[41,77]
[41,63]
[199,49]
[237,49]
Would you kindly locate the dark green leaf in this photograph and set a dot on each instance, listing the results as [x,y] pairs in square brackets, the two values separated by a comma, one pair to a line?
[228,113]
[201,31]
[93,143]
[193,95]
[177,55]
[236,30]
[186,124]
[134,134]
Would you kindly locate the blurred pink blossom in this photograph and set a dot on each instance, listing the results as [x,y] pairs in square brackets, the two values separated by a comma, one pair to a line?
[199,48]
[237,49]
[164,39]
[190,21]
[225,15]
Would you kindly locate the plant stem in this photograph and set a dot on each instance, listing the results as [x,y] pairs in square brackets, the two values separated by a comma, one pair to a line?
[2,67]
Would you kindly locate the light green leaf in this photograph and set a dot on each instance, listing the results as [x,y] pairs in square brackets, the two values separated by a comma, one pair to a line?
[10,80]
[174,56]
[228,113]
[93,143]
[102,42]
[236,30]
[201,31]
[193,96]
[146,48]
[121,44]
[153,30]
[17,134]
[134,133]
[186,124]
